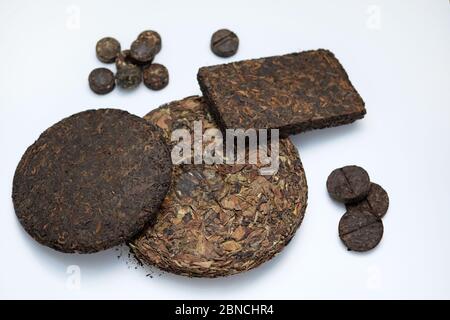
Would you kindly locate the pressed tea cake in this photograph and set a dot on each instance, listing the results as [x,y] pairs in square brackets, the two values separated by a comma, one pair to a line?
[128,76]
[153,37]
[360,230]
[155,76]
[221,219]
[224,43]
[294,93]
[101,80]
[376,202]
[107,49]
[92,181]
[348,184]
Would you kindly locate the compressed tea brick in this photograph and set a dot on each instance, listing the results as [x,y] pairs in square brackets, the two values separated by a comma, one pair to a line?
[143,51]
[360,230]
[376,202]
[224,43]
[128,76]
[92,181]
[107,49]
[101,80]
[221,219]
[349,184]
[294,93]
[156,76]
[154,37]
[123,59]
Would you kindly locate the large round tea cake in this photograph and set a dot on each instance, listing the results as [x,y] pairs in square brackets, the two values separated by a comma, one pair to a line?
[221,219]
[92,181]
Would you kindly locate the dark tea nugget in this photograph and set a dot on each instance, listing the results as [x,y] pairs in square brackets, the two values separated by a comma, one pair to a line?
[143,51]
[348,184]
[128,76]
[92,181]
[123,59]
[221,219]
[156,76]
[154,37]
[376,202]
[224,43]
[360,230]
[107,49]
[294,93]
[101,80]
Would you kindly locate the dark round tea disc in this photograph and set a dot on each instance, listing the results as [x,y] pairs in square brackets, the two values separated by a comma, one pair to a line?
[348,184]
[107,49]
[376,202]
[143,50]
[128,76]
[221,219]
[224,43]
[101,81]
[360,230]
[154,37]
[156,76]
[92,181]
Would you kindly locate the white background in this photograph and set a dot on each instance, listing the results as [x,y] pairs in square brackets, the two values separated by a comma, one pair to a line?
[396,54]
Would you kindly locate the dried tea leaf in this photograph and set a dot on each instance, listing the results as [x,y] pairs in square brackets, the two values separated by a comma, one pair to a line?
[238,233]
[231,245]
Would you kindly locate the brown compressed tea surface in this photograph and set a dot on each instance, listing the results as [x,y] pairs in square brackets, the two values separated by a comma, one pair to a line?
[143,50]
[293,92]
[349,184]
[123,59]
[92,181]
[107,49]
[376,202]
[154,37]
[219,220]
[155,76]
[101,80]
[360,230]
[128,76]
[224,43]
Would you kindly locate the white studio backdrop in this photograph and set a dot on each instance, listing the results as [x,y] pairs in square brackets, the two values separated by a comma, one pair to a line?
[396,54]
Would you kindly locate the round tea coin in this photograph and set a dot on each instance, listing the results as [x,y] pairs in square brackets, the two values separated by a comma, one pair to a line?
[154,37]
[221,219]
[143,50]
[224,43]
[128,76]
[360,230]
[156,76]
[101,80]
[92,181]
[376,202]
[348,184]
[107,49]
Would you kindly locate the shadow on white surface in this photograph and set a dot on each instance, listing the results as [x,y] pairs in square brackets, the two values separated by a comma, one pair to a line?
[104,261]
[107,261]
[97,262]
[311,139]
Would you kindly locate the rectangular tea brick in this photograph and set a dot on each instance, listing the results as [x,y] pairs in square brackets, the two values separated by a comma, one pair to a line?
[294,92]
